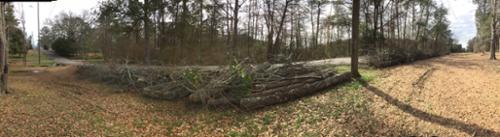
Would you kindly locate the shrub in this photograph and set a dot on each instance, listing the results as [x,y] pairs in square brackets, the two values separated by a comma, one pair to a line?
[65,47]
[241,82]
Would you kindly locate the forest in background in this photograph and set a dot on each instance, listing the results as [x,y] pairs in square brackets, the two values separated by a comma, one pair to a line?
[482,41]
[215,32]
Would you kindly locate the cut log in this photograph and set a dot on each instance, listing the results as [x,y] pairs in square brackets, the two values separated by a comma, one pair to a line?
[261,85]
[277,84]
[171,91]
[204,94]
[223,102]
[284,88]
[254,102]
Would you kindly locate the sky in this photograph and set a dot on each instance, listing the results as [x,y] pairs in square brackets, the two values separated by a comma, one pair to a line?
[461,14]
[49,10]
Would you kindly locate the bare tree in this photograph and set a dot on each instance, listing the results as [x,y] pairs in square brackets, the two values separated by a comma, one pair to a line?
[270,27]
[280,29]
[236,10]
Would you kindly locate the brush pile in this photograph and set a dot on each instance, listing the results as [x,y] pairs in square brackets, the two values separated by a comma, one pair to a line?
[238,85]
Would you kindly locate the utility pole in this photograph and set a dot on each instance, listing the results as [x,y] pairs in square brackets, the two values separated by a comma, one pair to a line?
[38,32]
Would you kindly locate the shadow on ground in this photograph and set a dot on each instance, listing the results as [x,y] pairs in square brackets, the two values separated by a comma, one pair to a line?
[471,129]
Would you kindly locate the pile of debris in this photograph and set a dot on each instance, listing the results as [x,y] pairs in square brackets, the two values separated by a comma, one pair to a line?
[240,85]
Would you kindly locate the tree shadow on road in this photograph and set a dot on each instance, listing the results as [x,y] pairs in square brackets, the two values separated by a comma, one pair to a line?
[471,129]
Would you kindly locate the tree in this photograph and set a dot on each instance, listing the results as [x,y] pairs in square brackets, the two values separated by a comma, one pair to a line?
[280,28]
[17,42]
[147,47]
[482,39]
[67,26]
[66,47]
[236,10]
[319,5]
[3,51]
[269,28]
[46,37]
[355,38]
[15,36]
[271,49]
[494,40]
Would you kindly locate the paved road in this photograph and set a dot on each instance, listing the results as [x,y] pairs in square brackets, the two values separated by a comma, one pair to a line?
[61,60]
[333,61]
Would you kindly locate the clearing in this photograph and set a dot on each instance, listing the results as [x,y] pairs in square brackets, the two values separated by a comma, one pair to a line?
[454,95]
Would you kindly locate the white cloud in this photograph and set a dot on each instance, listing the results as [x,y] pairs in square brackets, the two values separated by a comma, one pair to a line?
[461,14]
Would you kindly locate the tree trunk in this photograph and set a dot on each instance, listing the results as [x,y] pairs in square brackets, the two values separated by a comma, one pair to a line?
[270,24]
[381,16]
[375,22]
[493,30]
[316,37]
[147,49]
[398,36]
[355,38]
[249,28]
[3,53]
[280,29]
[235,29]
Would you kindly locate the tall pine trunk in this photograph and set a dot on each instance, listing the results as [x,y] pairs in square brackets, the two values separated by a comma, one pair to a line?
[355,38]
[493,30]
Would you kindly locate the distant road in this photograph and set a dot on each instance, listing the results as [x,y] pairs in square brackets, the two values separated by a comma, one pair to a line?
[333,61]
[61,60]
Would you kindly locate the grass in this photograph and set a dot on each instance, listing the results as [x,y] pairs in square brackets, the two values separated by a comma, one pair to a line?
[32,60]
[367,73]
[341,68]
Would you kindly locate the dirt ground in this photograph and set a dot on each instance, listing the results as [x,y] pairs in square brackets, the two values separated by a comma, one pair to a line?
[455,95]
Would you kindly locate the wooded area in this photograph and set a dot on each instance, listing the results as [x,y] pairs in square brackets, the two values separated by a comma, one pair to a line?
[486,38]
[182,32]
